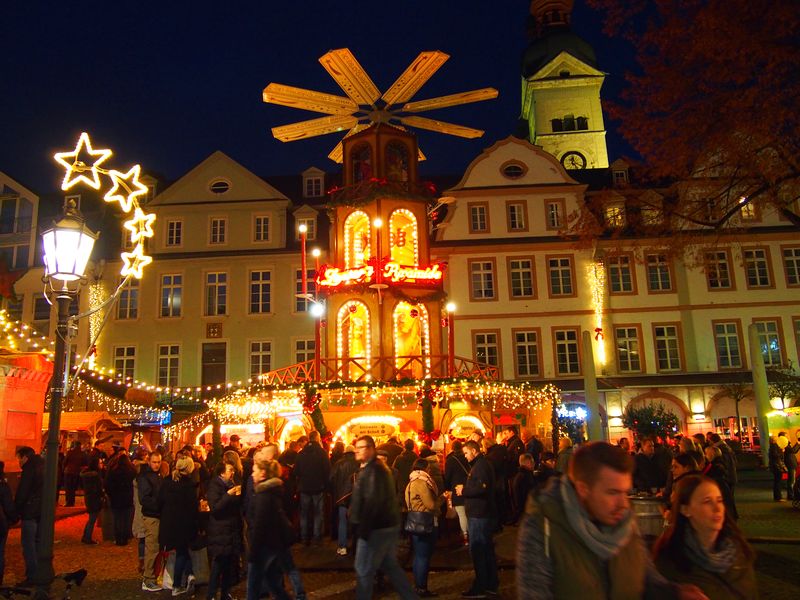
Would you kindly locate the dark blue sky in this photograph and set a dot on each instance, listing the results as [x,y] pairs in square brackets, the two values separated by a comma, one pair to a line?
[165,84]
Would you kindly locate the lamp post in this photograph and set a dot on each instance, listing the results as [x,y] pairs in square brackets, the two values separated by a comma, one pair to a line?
[303,229]
[451,340]
[318,312]
[67,246]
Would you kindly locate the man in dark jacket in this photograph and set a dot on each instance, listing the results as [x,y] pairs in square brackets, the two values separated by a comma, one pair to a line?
[514,449]
[375,516]
[534,447]
[456,471]
[404,463]
[149,484]
[479,500]
[392,448]
[74,461]
[28,503]
[312,469]
[497,455]
[522,484]
[343,478]
[648,474]
[790,460]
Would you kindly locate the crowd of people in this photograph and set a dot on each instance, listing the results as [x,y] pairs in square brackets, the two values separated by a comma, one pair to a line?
[245,508]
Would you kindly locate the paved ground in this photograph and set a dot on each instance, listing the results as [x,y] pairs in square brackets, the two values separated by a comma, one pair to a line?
[773,527]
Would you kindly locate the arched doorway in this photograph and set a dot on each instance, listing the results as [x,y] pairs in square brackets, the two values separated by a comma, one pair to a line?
[411,339]
[353,340]
[671,404]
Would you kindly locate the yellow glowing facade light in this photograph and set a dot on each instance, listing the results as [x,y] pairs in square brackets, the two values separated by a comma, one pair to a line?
[402,226]
[597,284]
[360,341]
[141,225]
[357,235]
[404,326]
[134,262]
[126,188]
[76,168]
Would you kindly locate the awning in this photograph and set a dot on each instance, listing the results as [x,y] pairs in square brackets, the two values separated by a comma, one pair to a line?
[91,422]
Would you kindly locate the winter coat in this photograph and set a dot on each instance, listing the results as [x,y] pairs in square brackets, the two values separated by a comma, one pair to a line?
[74,461]
[270,529]
[28,500]
[92,491]
[648,473]
[149,484]
[392,450]
[312,468]
[514,449]
[522,485]
[435,471]
[224,528]
[177,503]
[419,496]
[790,455]
[563,458]
[374,502]
[478,492]
[343,478]
[8,512]
[404,463]
[456,471]
[119,486]
[776,462]
[729,463]
[497,455]
[534,447]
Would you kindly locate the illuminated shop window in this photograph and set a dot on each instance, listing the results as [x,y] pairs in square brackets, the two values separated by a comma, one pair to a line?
[352,339]
[411,340]
[403,238]
[357,233]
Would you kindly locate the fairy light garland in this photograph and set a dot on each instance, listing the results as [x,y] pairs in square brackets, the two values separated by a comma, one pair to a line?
[21,336]
[116,406]
[597,283]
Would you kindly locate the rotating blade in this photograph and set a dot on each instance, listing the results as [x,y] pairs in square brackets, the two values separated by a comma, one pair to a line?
[337,153]
[350,75]
[442,127]
[314,127]
[286,95]
[414,77]
[451,100]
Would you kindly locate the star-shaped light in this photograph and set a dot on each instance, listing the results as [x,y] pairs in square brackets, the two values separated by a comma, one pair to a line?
[141,225]
[126,188]
[135,262]
[76,167]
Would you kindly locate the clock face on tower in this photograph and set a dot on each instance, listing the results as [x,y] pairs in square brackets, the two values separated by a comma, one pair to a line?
[573,160]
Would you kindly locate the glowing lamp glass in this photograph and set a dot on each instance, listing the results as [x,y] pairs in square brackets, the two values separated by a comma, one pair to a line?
[67,247]
[377,222]
[317,309]
[316,253]
[303,228]
[451,307]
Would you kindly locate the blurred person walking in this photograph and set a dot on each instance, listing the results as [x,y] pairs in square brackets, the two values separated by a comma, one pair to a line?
[343,477]
[178,505]
[422,496]
[8,516]
[119,488]
[456,471]
[74,461]
[92,485]
[777,467]
[28,504]
[224,530]
[149,483]
[312,469]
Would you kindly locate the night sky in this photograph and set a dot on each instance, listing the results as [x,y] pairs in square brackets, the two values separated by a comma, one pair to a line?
[165,84]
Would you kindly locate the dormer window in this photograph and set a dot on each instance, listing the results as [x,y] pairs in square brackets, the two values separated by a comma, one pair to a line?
[513,169]
[311,228]
[620,178]
[615,216]
[312,187]
[219,186]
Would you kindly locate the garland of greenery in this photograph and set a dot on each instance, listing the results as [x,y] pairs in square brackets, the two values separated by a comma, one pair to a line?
[367,191]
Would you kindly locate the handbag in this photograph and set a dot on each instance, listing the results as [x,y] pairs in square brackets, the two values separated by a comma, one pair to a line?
[417,521]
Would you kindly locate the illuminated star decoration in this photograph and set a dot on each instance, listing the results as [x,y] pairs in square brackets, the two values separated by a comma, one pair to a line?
[135,262]
[129,186]
[141,225]
[76,167]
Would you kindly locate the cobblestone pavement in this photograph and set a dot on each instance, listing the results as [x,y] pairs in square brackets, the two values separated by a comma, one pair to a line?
[112,569]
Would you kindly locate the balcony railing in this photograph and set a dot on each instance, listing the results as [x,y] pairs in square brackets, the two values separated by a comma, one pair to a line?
[387,368]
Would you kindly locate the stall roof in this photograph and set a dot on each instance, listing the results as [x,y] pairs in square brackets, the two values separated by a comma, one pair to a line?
[84,421]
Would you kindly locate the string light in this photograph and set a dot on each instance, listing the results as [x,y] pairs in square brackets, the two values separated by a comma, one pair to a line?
[597,283]
[23,337]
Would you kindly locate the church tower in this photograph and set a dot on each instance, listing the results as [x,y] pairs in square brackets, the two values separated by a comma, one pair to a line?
[561,89]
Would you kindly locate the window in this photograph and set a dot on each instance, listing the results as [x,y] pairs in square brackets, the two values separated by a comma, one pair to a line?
[311,228]
[219,186]
[261,228]
[313,187]
[756,267]
[659,278]
[560,276]
[615,216]
[214,363]
[478,218]
[302,304]
[260,291]
[513,170]
[769,338]
[128,304]
[567,358]
[14,308]
[487,349]
[218,228]
[728,344]
[127,239]
[620,178]
[791,265]
[260,358]
[41,313]
[216,293]
[650,215]
[718,270]
[174,233]
[303,350]
[482,280]
[668,354]
[797,334]
[171,293]
[168,363]
[517,217]
[620,274]
[629,357]
[526,353]
[521,278]
[124,361]
[554,214]
[747,212]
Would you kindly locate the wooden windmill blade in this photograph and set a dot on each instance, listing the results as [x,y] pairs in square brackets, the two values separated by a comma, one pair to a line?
[414,77]
[337,153]
[350,75]
[286,95]
[442,127]
[314,127]
[451,100]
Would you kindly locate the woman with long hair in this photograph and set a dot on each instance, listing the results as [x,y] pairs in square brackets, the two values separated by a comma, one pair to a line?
[703,546]
[177,500]
[119,488]
[422,495]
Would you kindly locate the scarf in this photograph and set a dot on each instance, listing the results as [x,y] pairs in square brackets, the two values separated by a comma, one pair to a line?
[426,478]
[718,559]
[603,540]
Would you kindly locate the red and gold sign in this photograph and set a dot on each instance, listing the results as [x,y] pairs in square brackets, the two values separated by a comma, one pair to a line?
[391,273]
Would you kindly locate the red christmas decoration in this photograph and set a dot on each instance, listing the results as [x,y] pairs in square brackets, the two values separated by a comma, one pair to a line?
[598,333]
[414,313]
[352,308]
[428,438]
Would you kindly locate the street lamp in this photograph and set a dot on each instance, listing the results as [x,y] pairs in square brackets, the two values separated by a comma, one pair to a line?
[318,312]
[67,246]
[451,340]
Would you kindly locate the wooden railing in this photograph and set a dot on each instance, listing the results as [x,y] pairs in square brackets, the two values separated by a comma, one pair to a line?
[387,368]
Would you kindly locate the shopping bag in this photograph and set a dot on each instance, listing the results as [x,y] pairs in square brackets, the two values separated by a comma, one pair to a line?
[200,565]
[167,577]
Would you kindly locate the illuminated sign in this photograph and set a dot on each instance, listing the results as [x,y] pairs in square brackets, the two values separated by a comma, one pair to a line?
[392,272]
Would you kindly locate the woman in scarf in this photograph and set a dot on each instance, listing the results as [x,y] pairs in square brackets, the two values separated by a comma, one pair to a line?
[703,546]
[422,495]
[177,500]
